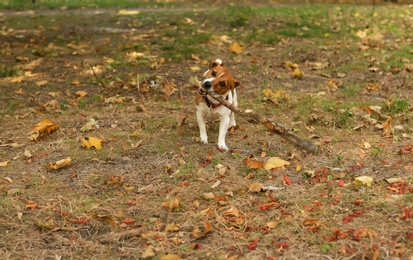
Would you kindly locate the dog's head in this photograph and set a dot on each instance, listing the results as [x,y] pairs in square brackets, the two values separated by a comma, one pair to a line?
[219,79]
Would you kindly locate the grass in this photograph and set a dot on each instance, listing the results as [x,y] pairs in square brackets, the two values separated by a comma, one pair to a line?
[115,202]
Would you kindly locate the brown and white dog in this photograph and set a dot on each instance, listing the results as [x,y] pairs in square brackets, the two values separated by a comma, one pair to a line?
[219,79]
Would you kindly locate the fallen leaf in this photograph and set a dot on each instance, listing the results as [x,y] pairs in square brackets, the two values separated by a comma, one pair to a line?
[208,195]
[252,245]
[92,142]
[114,100]
[148,253]
[41,83]
[4,164]
[172,227]
[252,163]
[90,125]
[275,163]
[233,211]
[168,89]
[81,93]
[287,179]
[170,257]
[298,74]
[171,204]
[58,164]
[45,126]
[365,180]
[256,187]
[236,47]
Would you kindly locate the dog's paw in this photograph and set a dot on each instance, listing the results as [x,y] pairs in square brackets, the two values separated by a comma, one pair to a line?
[223,147]
[204,140]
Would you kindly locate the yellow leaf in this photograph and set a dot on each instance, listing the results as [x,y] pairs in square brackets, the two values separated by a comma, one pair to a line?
[366,180]
[114,100]
[45,126]
[195,68]
[4,164]
[170,257]
[90,142]
[81,93]
[274,163]
[298,74]
[75,82]
[235,47]
[58,164]
[19,92]
[256,187]
[128,12]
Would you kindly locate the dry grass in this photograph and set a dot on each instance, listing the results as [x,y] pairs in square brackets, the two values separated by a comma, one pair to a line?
[150,185]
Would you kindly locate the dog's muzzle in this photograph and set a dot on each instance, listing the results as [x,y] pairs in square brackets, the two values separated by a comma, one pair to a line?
[207,85]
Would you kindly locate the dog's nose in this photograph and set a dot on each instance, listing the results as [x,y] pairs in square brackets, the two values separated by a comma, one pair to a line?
[207,85]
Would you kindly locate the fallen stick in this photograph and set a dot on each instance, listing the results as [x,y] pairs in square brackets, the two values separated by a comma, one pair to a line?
[279,130]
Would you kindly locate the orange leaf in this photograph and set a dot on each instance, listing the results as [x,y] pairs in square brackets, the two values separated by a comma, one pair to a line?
[235,47]
[128,221]
[252,163]
[287,180]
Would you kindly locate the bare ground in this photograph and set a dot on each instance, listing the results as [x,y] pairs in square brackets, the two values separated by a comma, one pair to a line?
[147,192]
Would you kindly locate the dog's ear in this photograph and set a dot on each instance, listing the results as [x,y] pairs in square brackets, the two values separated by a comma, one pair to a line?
[238,84]
[217,62]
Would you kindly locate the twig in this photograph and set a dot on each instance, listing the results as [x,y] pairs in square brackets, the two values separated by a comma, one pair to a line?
[279,130]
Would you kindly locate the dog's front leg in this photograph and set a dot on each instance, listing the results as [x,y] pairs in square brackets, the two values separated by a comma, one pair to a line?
[223,129]
[202,126]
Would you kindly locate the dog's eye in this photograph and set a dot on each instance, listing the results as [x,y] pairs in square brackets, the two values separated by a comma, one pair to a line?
[214,73]
[222,83]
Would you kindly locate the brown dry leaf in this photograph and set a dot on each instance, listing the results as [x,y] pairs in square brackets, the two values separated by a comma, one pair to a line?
[4,164]
[207,226]
[81,93]
[290,65]
[116,181]
[409,67]
[387,127]
[373,86]
[105,219]
[275,163]
[171,204]
[148,253]
[17,79]
[272,223]
[114,100]
[172,227]
[252,163]
[208,196]
[233,211]
[170,257]
[46,223]
[58,164]
[75,82]
[41,83]
[236,47]
[256,187]
[31,205]
[19,92]
[168,89]
[92,142]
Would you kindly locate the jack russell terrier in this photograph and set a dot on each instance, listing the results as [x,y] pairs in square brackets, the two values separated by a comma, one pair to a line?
[219,79]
